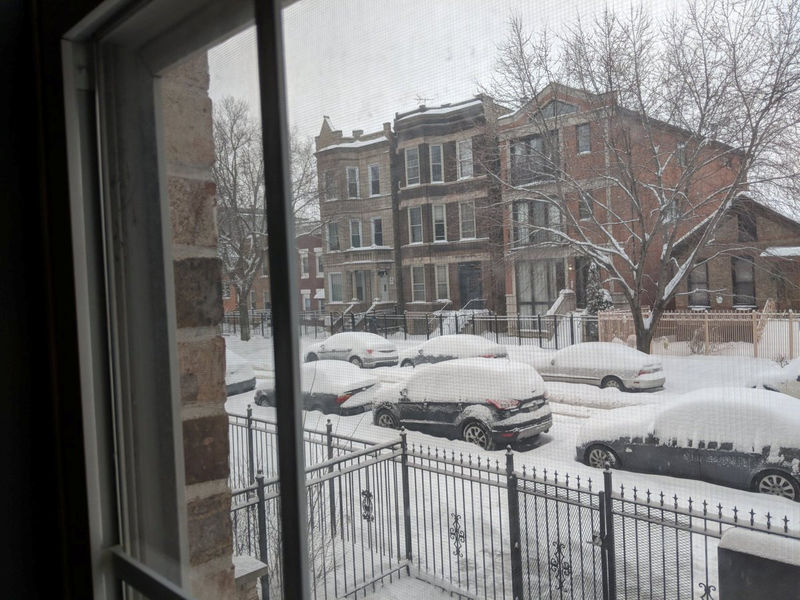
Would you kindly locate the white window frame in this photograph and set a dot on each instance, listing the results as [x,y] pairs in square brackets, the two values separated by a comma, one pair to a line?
[348,170]
[440,163]
[439,282]
[409,182]
[360,237]
[444,221]
[411,226]
[328,236]
[415,283]
[331,297]
[305,265]
[319,266]
[374,179]
[372,228]
[462,161]
[461,221]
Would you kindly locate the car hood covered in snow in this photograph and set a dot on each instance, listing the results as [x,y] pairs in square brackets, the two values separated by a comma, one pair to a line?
[355,340]
[611,357]
[237,369]
[475,380]
[458,346]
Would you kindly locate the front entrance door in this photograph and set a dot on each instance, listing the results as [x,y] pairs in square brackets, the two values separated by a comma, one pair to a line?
[469,282]
[383,286]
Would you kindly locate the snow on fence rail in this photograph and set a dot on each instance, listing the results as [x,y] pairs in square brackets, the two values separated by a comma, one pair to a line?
[478,528]
[759,334]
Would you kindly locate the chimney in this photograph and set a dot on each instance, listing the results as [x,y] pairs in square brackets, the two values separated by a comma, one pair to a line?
[357,133]
[387,129]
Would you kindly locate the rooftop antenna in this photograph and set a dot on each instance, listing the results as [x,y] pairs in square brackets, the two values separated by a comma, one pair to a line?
[420,100]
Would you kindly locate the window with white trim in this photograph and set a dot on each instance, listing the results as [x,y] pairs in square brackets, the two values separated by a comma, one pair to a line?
[320,266]
[355,233]
[412,166]
[377,231]
[333,237]
[467,219]
[352,182]
[442,282]
[335,287]
[304,272]
[464,158]
[415,225]
[418,284]
[439,223]
[374,180]
[437,167]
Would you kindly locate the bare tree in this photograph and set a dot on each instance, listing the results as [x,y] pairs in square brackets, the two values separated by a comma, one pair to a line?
[241,201]
[687,114]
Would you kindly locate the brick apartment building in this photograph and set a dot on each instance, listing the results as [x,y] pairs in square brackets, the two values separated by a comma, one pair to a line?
[310,269]
[356,210]
[259,297]
[568,141]
[448,218]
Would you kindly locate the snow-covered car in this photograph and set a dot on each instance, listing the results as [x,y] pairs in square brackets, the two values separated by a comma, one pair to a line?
[785,381]
[605,364]
[359,348]
[449,347]
[739,437]
[327,386]
[487,402]
[239,375]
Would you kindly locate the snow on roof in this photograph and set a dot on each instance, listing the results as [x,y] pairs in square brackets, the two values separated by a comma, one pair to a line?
[782,251]
[439,110]
[360,143]
[761,544]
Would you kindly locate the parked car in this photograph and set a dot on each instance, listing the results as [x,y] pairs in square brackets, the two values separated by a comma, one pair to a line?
[449,347]
[740,437]
[786,380]
[359,348]
[239,375]
[604,364]
[328,386]
[487,402]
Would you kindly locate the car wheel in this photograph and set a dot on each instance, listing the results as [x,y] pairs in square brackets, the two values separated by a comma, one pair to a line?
[477,433]
[386,418]
[598,456]
[264,400]
[311,357]
[407,363]
[612,382]
[354,360]
[777,484]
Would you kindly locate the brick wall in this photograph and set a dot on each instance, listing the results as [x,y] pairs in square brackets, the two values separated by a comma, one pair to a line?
[201,351]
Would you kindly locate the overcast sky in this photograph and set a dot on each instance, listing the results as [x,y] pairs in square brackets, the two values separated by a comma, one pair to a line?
[360,61]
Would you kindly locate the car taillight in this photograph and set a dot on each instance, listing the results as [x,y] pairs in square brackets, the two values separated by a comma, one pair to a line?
[650,369]
[487,355]
[342,398]
[503,404]
[369,350]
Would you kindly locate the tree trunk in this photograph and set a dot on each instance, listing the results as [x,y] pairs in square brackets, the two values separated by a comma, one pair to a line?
[644,337]
[244,318]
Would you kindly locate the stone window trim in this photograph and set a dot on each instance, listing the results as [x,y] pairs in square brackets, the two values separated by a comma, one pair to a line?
[412,166]
[355,233]
[436,166]
[415,225]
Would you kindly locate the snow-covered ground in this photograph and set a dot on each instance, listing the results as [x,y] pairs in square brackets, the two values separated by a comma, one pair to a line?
[572,405]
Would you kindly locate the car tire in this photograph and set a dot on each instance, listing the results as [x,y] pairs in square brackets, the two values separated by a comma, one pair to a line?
[311,357]
[407,363]
[777,483]
[386,418]
[612,382]
[354,360]
[598,455]
[475,432]
[263,400]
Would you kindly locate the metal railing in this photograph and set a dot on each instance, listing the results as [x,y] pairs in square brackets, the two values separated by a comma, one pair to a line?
[478,528]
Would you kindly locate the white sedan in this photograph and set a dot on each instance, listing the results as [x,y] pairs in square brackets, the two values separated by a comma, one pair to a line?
[239,375]
[358,348]
[449,347]
[604,364]
[786,381]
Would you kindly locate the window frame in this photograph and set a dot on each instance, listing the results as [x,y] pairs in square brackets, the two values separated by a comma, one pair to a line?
[461,161]
[440,163]
[736,285]
[414,283]
[348,170]
[360,236]
[690,285]
[372,222]
[320,267]
[374,180]
[443,222]
[329,237]
[438,282]
[418,177]
[474,235]
[411,226]
[331,275]
[305,265]
[580,127]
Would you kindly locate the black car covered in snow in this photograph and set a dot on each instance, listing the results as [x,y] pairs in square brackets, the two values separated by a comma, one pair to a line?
[490,403]
[739,437]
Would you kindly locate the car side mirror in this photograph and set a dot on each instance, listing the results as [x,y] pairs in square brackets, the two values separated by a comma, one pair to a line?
[419,351]
[404,394]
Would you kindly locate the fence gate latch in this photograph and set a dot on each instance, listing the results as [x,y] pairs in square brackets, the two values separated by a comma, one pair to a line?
[597,540]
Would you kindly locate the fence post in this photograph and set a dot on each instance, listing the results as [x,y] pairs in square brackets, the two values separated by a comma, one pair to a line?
[262,533]
[496,332]
[755,335]
[385,333]
[405,326]
[473,323]
[519,331]
[513,527]
[455,315]
[555,329]
[607,517]
[572,329]
[441,324]
[791,335]
[406,493]
[352,322]
[539,327]
[705,326]
[331,486]
[250,465]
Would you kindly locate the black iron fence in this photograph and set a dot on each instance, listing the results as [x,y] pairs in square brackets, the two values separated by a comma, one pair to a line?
[478,528]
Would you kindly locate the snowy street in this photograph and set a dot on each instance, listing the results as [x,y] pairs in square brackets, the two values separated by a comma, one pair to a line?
[572,405]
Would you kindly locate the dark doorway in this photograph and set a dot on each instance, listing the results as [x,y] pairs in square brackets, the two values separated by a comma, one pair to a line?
[469,282]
